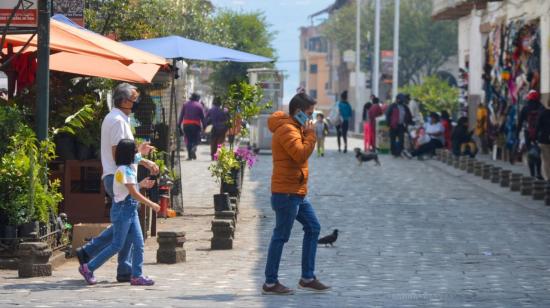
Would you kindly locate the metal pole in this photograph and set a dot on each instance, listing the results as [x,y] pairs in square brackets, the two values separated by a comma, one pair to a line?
[376,65]
[395,79]
[43,70]
[357,66]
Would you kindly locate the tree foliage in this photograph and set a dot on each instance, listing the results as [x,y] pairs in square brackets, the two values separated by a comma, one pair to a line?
[130,20]
[434,94]
[248,32]
[424,44]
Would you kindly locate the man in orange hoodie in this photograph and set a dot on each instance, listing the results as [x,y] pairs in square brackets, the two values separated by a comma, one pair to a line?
[292,144]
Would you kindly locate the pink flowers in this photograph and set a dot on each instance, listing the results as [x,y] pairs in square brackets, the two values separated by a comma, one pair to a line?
[245,154]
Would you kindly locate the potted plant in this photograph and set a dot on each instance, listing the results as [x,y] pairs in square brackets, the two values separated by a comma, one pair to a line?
[244,102]
[246,158]
[225,169]
[25,196]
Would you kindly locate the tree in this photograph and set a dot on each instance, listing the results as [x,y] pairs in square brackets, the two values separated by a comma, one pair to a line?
[129,20]
[248,32]
[434,94]
[424,44]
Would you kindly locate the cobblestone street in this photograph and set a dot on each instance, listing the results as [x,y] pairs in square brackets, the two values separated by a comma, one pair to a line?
[412,234]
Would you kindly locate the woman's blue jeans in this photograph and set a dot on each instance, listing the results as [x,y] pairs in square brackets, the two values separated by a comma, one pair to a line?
[287,209]
[125,223]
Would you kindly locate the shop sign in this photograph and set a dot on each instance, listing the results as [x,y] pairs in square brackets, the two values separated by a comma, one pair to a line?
[25,17]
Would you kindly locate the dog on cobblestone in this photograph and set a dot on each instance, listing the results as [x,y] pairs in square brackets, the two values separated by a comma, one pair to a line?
[365,157]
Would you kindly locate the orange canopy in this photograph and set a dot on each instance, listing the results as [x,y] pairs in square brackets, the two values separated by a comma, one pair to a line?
[64,37]
[101,67]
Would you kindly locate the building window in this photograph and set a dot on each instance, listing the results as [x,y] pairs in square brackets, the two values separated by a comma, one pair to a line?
[318,44]
[313,94]
[313,68]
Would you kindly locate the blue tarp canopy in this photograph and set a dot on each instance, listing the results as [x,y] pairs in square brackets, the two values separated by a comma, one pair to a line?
[177,47]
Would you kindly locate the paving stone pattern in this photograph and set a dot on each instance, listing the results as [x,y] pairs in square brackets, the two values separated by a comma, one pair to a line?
[412,234]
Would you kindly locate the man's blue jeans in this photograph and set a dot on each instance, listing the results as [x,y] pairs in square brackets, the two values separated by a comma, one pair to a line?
[287,209]
[125,225]
[97,244]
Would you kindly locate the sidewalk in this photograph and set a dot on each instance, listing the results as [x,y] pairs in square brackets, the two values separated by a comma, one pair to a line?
[412,234]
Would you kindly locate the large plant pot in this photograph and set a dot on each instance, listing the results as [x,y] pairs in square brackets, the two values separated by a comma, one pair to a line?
[221,202]
[25,230]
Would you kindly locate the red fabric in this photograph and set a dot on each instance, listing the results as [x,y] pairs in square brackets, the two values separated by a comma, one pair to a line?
[447,125]
[374,112]
[25,66]
[367,137]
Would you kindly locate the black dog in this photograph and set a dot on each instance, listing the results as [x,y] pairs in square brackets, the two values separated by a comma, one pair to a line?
[329,239]
[364,157]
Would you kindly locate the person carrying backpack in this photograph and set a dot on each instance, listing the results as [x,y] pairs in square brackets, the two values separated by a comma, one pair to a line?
[528,118]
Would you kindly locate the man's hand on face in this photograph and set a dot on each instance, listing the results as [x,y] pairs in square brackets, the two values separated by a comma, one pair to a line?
[308,126]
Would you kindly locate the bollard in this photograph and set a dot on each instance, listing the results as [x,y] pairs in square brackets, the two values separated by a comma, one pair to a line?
[439,154]
[526,185]
[223,234]
[478,168]
[33,260]
[505,178]
[486,171]
[470,165]
[495,174]
[229,215]
[515,181]
[456,162]
[539,189]
[463,163]
[170,249]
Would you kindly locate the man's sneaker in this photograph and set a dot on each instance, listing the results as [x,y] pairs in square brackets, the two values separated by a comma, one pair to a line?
[277,289]
[142,281]
[123,278]
[313,286]
[82,256]
[87,274]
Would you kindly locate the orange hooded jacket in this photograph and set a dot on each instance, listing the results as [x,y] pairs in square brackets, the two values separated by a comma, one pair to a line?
[291,146]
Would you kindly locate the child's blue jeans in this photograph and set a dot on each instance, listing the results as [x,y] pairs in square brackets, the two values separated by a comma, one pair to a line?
[125,223]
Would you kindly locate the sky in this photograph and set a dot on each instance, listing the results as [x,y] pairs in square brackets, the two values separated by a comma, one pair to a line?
[285,17]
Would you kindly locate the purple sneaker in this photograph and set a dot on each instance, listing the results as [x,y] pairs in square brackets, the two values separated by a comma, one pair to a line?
[142,281]
[87,274]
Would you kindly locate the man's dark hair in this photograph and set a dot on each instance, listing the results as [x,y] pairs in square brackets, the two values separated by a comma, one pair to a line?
[195,97]
[344,95]
[125,151]
[435,116]
[217,101]
[300,101]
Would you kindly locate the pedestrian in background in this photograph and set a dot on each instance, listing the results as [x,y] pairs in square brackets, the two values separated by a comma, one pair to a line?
[192,119]
[447,125]
[528,119]
[292,143]
[543,138]
[321,132]
[462,143]
[124,217]
[345,111]
[482,126]
[218,117]
[374,112]
[398,116]
[115,127]
[435,134]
